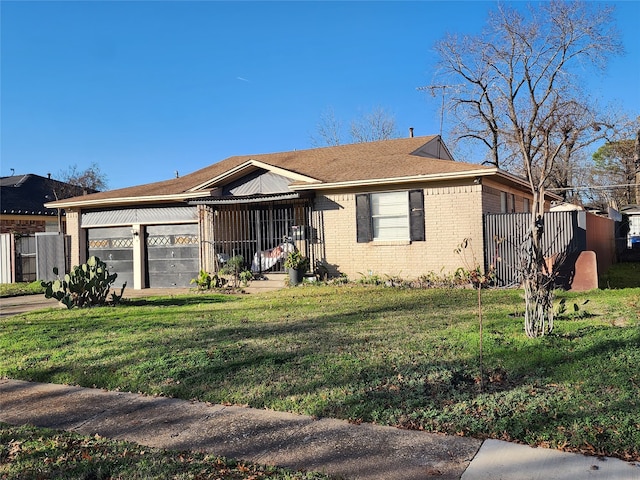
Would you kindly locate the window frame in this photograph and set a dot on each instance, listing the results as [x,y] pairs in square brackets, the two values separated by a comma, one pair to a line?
[415,217]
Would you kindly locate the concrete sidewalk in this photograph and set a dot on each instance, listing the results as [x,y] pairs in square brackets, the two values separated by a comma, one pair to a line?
[335,447]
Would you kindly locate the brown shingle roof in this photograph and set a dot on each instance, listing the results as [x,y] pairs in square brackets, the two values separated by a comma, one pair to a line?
[341,164]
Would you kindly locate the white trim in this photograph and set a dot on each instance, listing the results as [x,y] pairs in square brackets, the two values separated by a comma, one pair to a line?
[397,180]
[118,201]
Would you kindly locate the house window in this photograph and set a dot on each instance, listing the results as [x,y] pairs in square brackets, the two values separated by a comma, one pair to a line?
[527,207]
[390,216]
[503,202]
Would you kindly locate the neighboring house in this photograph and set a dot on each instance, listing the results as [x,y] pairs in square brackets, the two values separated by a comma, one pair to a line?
[632,212]
[22,199]
[25,253]
[394,207]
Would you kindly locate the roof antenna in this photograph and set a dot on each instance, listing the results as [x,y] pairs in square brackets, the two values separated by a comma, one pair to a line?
[433,89]
[13,172]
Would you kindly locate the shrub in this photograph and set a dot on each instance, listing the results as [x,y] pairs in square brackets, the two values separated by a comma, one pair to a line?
[206,281]
[87,285]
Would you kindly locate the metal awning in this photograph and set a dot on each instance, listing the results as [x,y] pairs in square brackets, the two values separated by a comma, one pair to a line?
[248,199]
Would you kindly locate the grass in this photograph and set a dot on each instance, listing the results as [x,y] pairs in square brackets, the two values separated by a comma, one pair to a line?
[622,275]
[399,357]
[22,288]
[35,453]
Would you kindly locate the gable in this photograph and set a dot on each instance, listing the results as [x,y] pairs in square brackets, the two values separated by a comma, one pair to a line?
[258,182]
[435,148]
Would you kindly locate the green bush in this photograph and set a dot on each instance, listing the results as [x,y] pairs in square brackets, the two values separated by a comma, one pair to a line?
[86,285]
[206,281]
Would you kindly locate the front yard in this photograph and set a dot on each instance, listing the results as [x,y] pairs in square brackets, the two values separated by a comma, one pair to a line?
[392,356]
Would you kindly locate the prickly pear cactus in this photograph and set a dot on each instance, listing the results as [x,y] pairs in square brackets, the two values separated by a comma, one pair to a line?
[85,285]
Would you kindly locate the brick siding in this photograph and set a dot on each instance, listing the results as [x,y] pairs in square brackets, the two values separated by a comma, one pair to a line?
[452,213]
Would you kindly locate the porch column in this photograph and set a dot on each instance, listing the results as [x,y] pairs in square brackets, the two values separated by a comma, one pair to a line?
[205,226]
[139,267]
[78,252]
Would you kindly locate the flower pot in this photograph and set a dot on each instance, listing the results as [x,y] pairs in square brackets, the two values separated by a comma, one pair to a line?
[295,276]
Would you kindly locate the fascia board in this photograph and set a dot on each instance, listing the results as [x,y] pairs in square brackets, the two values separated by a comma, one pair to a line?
[396,180]
[127,200]
[251,165]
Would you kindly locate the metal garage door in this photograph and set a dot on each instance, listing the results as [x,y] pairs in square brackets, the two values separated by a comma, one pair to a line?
[172,255]
[114,246]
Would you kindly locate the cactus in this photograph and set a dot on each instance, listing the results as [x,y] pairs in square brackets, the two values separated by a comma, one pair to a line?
[86,285]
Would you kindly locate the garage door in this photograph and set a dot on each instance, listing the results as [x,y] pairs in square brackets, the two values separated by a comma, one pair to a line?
[172,255]
[114,246]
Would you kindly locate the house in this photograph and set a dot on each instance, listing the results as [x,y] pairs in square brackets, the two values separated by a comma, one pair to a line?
[632,212]
[22,199]
[27,226]
[394,207]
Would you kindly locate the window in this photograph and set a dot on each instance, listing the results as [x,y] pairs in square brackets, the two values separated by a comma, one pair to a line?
[503,202]
[390,216]
[527,207]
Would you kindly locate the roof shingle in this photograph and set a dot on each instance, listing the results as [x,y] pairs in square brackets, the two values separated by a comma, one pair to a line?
[386,159]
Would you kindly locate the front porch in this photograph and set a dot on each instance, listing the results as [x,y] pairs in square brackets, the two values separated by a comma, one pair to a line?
[262,229]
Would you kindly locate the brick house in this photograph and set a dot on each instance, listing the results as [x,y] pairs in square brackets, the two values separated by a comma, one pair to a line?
[22,199]
[395,207]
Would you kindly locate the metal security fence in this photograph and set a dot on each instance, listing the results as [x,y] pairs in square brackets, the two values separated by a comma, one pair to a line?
[506,234]
[261,234]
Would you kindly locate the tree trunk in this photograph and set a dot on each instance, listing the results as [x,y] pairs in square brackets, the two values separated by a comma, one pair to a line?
[636,161]
[537,276]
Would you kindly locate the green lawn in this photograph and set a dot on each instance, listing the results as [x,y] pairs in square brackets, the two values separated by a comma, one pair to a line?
[38,453]
[23,288]
[391,356]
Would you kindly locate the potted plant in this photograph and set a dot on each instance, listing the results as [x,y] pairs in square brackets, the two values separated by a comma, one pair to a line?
[297,264]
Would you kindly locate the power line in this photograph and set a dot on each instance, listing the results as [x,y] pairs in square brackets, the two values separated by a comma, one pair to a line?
[597,187]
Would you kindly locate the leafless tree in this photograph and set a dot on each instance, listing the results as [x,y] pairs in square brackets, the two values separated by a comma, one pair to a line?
[375,125]
[91,179]
[616,166]
[329,130]
[520,102]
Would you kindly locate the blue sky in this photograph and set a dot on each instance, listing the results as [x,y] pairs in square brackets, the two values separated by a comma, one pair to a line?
[147,88]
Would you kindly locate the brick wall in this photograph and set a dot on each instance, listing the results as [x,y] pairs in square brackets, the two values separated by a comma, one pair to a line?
[452,213]
[28,224]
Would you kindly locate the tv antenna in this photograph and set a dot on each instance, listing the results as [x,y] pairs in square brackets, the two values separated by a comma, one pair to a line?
[443,88]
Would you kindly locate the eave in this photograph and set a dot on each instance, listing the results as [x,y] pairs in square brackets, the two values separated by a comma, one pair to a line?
[123,201]
[396,180]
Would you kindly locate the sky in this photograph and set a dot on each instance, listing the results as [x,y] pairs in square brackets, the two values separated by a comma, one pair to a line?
[144,89]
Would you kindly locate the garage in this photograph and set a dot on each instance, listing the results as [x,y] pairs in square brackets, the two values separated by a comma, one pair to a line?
[114,246]
[172,255]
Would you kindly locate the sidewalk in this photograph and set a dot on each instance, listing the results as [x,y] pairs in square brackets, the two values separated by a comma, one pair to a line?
[335,447]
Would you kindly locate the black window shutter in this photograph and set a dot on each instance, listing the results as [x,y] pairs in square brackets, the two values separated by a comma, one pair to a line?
[363,218]
[416,215]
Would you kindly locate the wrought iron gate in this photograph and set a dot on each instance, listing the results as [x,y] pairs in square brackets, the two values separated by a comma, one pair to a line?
[257,231]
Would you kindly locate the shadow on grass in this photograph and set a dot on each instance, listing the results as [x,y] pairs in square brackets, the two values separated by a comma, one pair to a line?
[549,390]
[177,301]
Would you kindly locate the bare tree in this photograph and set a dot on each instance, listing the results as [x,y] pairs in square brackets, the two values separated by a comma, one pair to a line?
[329,130]
[520,103]
[91,180]
[615,165]
[376,125]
